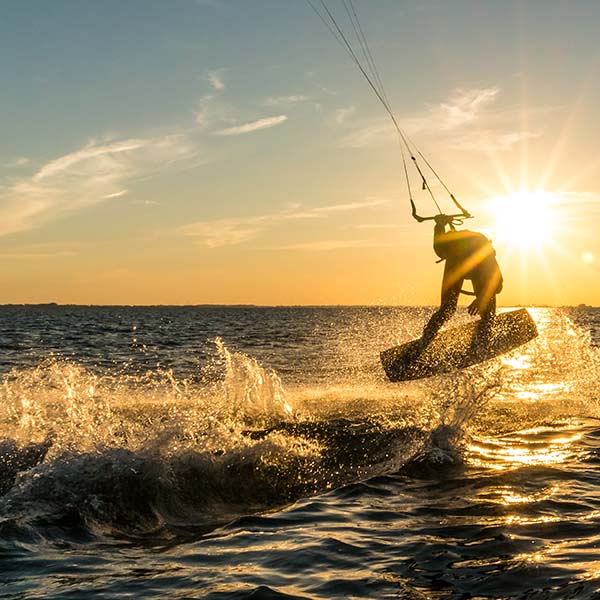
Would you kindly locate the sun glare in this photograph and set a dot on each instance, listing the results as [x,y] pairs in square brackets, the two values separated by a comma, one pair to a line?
[525,220]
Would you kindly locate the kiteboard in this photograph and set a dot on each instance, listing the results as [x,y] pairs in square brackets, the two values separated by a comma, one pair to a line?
[458,347]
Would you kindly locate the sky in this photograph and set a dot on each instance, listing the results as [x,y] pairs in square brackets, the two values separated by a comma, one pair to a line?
[229,152]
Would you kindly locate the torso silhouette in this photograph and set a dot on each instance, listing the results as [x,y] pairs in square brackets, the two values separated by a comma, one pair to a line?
[468,255]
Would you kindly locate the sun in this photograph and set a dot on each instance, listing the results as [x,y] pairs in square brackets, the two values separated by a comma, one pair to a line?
[525,220]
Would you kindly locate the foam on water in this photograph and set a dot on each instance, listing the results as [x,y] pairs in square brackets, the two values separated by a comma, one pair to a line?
[151,454]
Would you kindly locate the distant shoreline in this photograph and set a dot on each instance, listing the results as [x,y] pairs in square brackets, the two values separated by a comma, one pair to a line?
[56,305]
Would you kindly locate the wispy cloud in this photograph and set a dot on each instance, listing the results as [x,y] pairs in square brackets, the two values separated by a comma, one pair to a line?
[463,108]
[42,251]
[20,161]
[349,206]
[145,202]
[457,122]
[207,111]
[225,232]
[491,141]
[381,226]
[36,255]
[253,126]
[279,100]
[374,133]
[326,245]
[216,80]
[341,115]
[115,194]
[210,107]
[88,176]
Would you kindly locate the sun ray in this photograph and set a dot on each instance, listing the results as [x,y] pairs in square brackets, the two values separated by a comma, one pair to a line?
[550,274]
[588,168]
[501,172]
[561,142]
[525,101]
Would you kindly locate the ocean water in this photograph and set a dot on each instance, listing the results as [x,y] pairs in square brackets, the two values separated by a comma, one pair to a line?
[241,452]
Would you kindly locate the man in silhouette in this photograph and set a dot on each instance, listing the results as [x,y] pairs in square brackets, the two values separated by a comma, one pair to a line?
[468,255]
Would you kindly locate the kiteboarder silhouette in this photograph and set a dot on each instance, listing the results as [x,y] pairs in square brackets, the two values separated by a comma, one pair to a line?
[468,255]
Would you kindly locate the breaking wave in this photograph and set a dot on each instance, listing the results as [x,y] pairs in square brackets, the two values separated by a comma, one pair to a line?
[91,454]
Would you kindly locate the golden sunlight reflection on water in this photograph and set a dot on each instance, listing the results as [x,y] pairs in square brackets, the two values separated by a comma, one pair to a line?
[538,391]
[536,446]
[520,361]
[503,458]
[528,502]
[547,370]
[508,495]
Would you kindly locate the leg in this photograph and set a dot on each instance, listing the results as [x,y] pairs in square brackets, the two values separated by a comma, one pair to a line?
[451,287]
[486,301]
[487,321]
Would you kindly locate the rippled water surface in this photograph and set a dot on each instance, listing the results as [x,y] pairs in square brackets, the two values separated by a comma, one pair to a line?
[240,452]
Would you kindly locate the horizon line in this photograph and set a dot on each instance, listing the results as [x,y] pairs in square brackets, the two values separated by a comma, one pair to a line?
[254,305]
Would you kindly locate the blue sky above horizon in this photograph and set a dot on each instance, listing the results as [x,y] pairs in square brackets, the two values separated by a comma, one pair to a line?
[228,151]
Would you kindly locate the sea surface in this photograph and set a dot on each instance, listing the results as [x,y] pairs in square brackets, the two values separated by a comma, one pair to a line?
[246,452]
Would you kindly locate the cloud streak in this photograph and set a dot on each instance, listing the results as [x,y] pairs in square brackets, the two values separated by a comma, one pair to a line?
[327,245]
[341,115]
[279,100]
[253,126]
[491,141]
[215,80]
[209,109]
[349,206]
[226,232]
[457,122]
[91,175]
[20,161]
[41,251]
